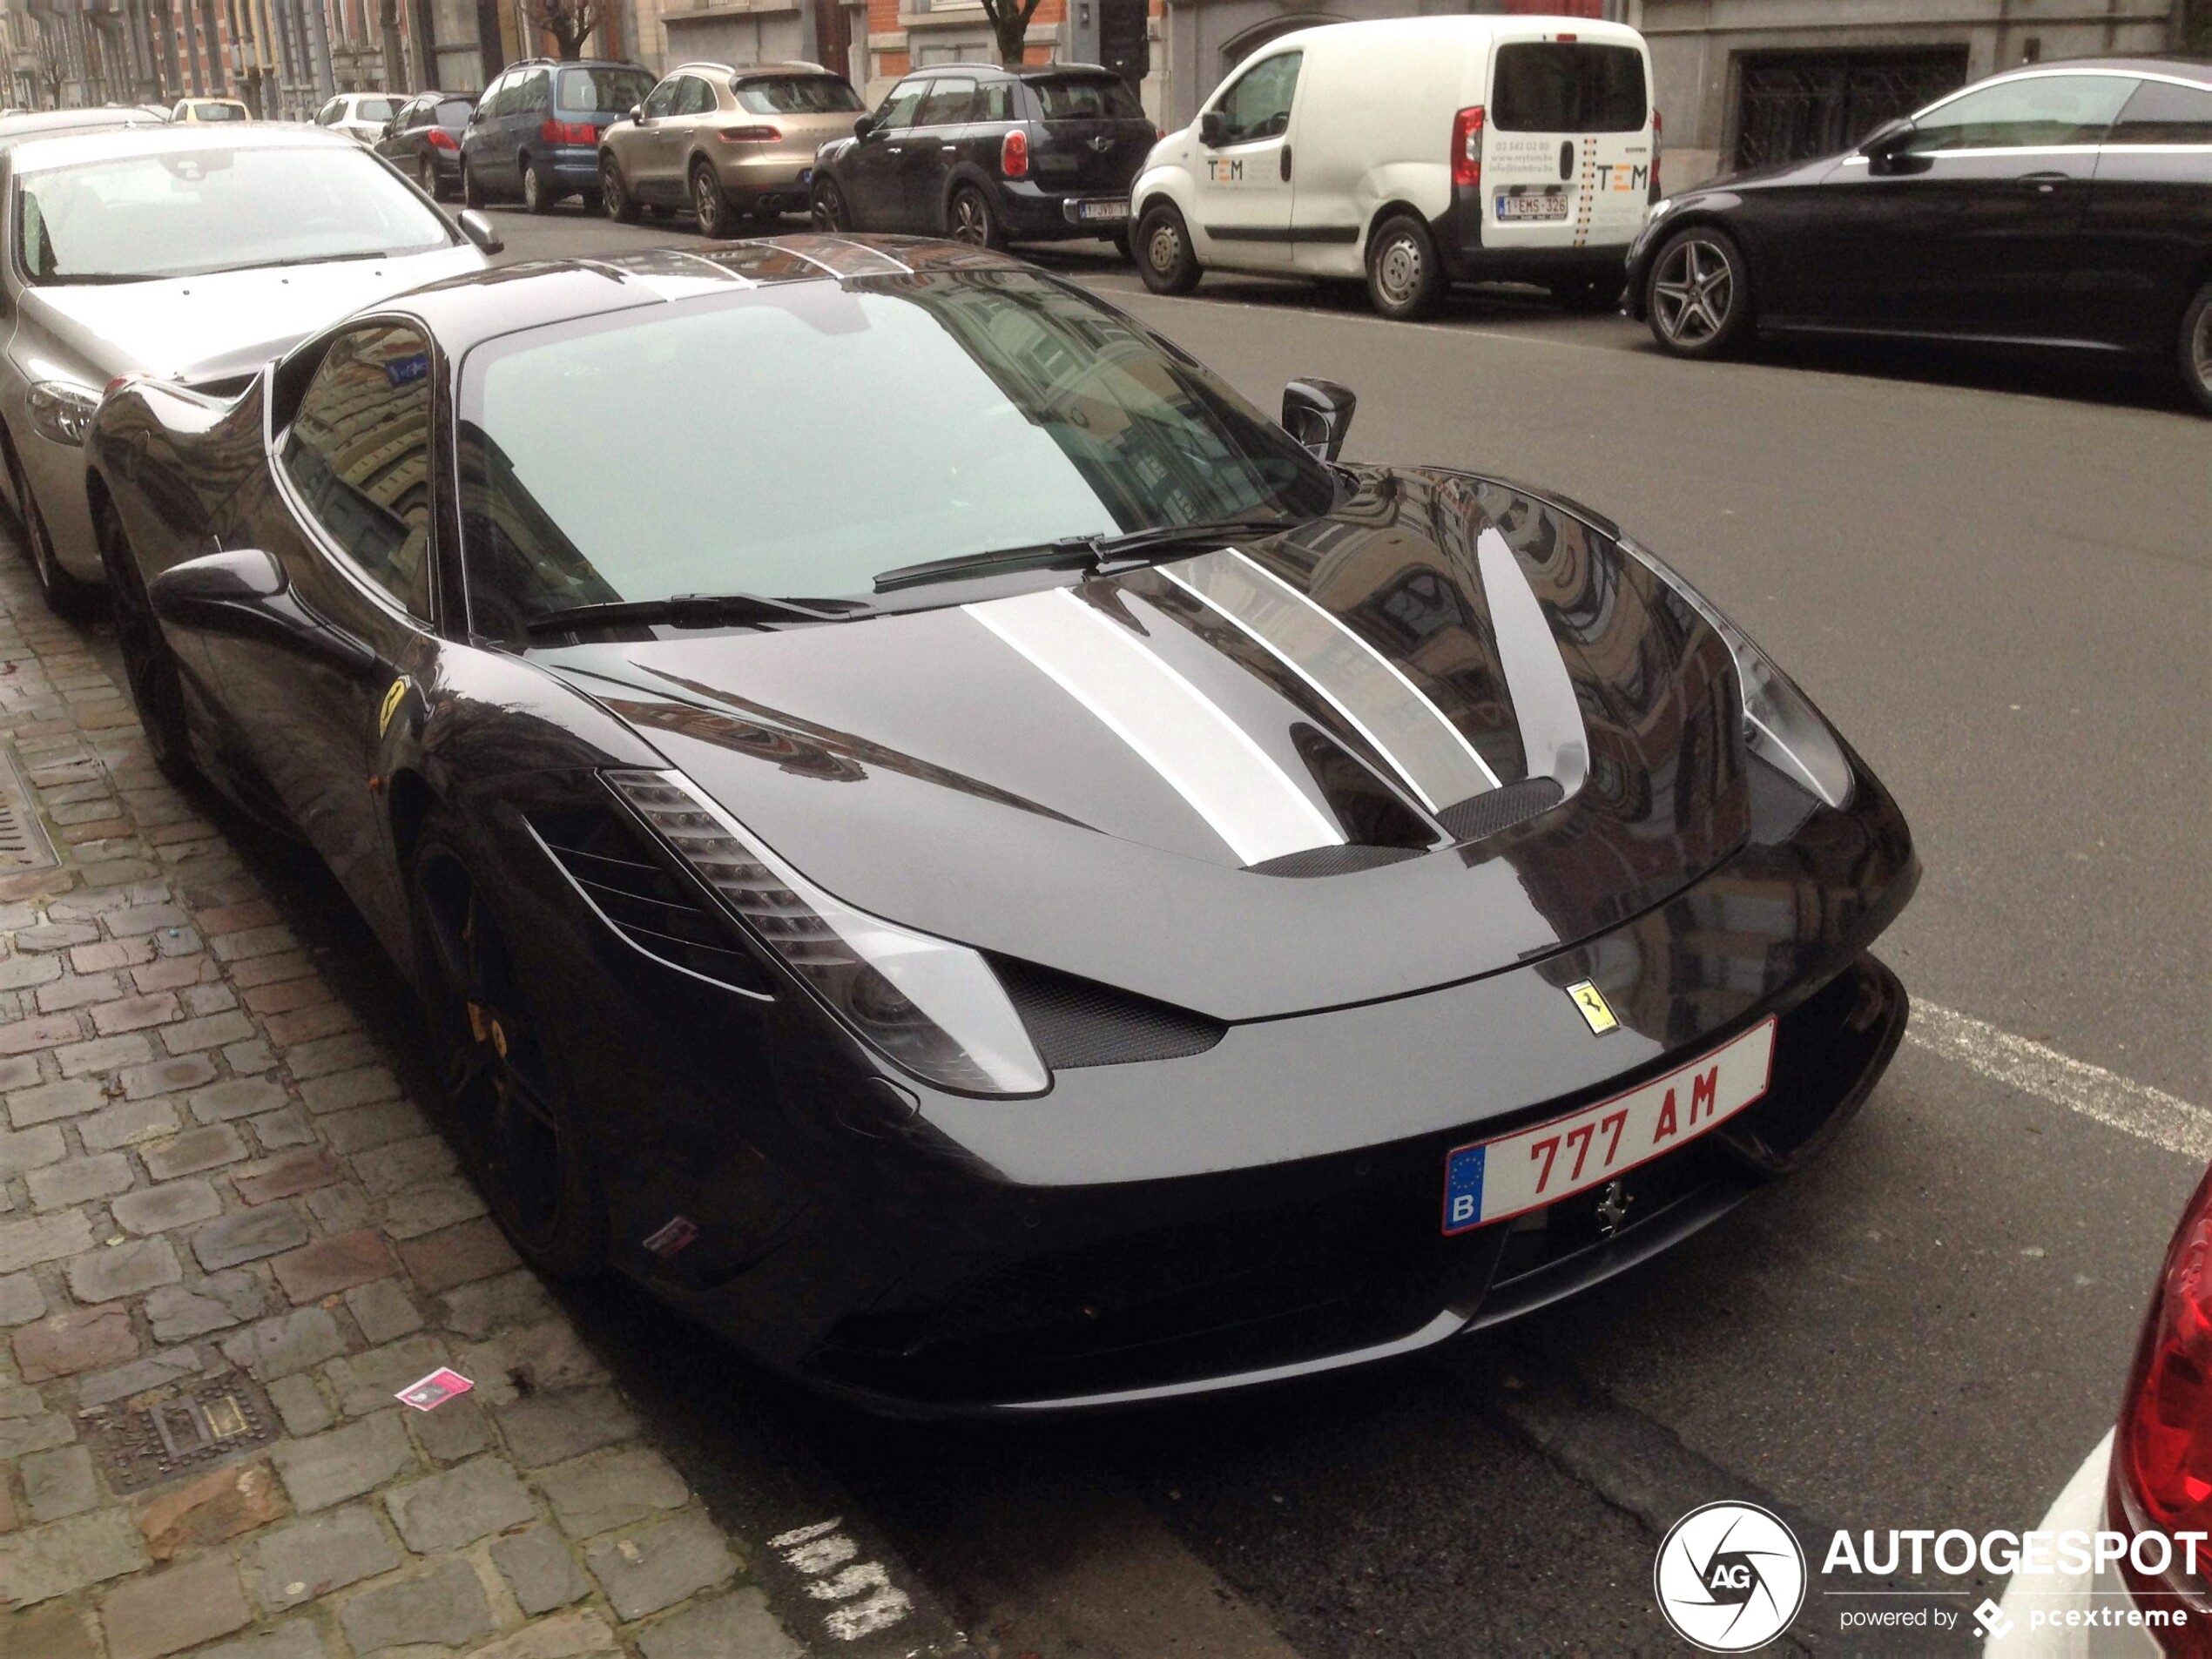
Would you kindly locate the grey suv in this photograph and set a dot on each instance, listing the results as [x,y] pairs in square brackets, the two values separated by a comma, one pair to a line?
[725,141]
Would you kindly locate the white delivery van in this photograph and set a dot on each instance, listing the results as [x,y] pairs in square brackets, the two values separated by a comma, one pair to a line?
[1415,152]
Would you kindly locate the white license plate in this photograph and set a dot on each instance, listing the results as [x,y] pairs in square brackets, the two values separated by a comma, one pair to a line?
[1101,210]
[1497,1180]
[1532,207]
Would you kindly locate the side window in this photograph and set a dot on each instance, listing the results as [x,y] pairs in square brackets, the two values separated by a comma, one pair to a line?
[488,105]
[358,453]
[328,113]
[996,103]
[536,93]
[898,109]
[662,100]
[2034,112]
[2162,112]
[698,97]
[1258,104]
[948,102]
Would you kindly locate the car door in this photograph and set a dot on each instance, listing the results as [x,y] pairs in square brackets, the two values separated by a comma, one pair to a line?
[1967,224]
[696,110]
[1243,185]
[640,148]
[344,508]
[869,171]
[478,138]
[396,144]
[932,150]
[529,108]
[2149,222]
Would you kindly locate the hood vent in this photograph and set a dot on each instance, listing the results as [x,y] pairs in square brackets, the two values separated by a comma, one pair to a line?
[1077,1023]
[626,882]
[1483,815]
[1332,860]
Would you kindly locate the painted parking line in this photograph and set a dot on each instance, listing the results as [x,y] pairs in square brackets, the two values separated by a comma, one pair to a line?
[2103,1097]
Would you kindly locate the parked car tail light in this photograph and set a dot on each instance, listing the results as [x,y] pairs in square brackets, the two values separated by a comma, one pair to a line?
[441,139]
[1467,148]
[1656,126]
[2162,1454]
[749,135]
[569,133]
[1013,155]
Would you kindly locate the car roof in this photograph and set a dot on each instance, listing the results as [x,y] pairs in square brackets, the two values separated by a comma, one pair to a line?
[67,148]
[1000,71]
[16,127]
[2180,68]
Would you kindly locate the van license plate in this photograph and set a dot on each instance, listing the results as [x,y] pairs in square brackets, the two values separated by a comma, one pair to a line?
[1532,207]
[1497,1180]
[1096,211]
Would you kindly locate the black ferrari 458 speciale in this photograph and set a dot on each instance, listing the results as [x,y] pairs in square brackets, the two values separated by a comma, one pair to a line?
[944,843]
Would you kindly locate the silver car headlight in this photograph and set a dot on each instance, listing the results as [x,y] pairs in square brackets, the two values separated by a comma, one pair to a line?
[62,410]
[932,1006]
[1780,723]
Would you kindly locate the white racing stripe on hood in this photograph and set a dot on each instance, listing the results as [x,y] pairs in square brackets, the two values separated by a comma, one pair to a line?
[1544,704]
[1227,779]
[1408,730]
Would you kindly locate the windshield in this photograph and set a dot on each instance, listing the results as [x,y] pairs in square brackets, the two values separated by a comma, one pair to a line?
[1551,86]
[798,95]
[185,212]
[853,429]
[1088,98]
[454,112]
[609,91]
[218,111]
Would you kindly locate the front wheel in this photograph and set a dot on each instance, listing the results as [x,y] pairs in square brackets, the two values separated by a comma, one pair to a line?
[1698,295]
[968,219]
[149,668]
[2196,347]
[1165,257]
[472,193]
[710,206]
[538,193]
[64,593]
[827,207]
[1405,272]
[615,198]
[512,1113]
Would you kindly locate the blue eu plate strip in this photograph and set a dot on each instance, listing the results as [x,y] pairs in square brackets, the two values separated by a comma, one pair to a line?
[1463,1188]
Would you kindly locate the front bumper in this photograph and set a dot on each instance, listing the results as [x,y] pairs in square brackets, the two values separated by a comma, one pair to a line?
[1264,1209]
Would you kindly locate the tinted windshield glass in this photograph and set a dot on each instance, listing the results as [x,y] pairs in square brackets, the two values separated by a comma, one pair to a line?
[1548,86]
[218,112]
[185,212]
[1091,97]
[612,91]
[854,429]
[372,109]
[454,112]
[798,95]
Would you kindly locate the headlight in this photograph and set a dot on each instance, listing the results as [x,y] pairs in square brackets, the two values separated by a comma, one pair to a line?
[1664,204]
[62,410]
[933,1007]
[1780,724]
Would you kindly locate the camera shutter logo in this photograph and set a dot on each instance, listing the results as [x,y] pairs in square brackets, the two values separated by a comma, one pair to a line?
[1730,1577]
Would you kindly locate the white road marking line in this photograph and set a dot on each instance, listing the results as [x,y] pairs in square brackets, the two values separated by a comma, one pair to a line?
[2102,1096]
[870,1601]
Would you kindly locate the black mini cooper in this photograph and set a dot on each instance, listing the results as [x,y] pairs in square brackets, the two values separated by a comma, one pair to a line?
[990,155]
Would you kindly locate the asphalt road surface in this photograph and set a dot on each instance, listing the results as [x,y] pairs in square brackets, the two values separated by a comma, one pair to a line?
[1993,577]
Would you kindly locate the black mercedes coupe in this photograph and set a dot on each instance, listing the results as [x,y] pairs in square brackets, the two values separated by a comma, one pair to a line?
[942,842]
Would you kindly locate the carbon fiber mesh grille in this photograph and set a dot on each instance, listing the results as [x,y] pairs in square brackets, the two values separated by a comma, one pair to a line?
[1497,809]
[1332,860]
[1077,1023]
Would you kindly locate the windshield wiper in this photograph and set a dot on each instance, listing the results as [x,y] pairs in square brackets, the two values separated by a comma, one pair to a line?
[693,610]
[1103,554]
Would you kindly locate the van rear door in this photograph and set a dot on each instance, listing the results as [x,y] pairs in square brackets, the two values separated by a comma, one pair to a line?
[1567,144]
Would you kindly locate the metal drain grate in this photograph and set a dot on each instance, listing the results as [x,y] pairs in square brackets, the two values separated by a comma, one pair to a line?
[178,1431]
[23,844]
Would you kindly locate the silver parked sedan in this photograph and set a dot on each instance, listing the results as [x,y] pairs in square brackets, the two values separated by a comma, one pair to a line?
[189,253]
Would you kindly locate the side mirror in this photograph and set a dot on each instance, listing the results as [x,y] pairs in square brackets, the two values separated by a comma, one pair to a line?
[1318,414]
[244,595]
[865,125]
[481,231]
[1887,142]
[1212,128]
[638,113]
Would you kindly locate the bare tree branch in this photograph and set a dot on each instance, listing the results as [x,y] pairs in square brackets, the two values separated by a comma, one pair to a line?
[569,22]
[1009,22]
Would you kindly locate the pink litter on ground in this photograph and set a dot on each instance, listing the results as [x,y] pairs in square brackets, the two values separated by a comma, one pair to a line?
[434,1389]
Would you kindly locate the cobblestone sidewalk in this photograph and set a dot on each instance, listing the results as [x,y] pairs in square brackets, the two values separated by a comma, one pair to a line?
[225,1240]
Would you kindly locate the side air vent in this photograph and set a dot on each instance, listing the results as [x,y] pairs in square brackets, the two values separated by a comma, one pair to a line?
[1332,860]
[616,869]
[1078,1022]
[1497,809]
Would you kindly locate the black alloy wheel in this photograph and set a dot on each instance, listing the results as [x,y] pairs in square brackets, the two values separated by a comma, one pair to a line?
[708,205]
[66,596]
[1164,259]
[149,668]
[1699,299]
[511,1112]
[968,219]
[615,198]
[2196,347]
[472,193]
[827,207]
[538,193]
[426,174]
[1405,272]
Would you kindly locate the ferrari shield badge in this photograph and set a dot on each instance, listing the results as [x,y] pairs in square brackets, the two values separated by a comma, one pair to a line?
[1598,1013]
[393,697]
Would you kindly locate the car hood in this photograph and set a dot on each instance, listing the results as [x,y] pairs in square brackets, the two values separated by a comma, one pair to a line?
[209,326]
[1255,782]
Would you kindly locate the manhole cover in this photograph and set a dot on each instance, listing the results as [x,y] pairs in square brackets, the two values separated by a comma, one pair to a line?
[179,1430]
[23,844]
